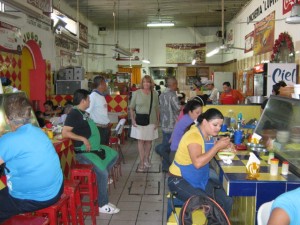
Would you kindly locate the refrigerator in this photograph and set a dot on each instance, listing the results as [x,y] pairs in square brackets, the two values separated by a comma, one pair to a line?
[268,74]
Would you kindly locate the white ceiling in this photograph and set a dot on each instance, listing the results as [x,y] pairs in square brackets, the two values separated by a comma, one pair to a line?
[134,14]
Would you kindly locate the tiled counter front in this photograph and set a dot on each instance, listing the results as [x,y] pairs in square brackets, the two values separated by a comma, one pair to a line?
[249,195]
[65,151]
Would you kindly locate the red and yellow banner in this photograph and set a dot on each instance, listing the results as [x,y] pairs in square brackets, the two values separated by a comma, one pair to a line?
[264,34]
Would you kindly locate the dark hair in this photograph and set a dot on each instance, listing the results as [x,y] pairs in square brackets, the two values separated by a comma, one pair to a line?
[227,84]
[193,104]
[17,109]
[161,83]
[210,114]
[79,95]
[98,80]
[277,86]
[49,102]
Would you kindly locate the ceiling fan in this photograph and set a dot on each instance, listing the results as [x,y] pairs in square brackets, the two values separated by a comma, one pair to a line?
[223,46]
[78,51]
[117,48]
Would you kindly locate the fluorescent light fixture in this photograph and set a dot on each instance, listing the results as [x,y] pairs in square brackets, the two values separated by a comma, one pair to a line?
[161,24]
[193,61]
[146,61]
[122,51]
[295,15]
[213,52]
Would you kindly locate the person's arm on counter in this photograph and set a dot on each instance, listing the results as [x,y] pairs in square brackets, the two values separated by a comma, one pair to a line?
[67,133]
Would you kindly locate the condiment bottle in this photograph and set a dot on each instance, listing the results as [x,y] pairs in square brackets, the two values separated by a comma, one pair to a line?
[285,168]
[274,167]
[271,156]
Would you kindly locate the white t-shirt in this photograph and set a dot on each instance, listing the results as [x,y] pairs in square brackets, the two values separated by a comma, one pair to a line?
[214,95]
[98,109]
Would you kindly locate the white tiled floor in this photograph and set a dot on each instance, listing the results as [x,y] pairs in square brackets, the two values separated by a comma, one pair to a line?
[141,197]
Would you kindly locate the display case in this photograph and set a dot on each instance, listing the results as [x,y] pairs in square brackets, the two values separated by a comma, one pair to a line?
[4,126]
[279,126]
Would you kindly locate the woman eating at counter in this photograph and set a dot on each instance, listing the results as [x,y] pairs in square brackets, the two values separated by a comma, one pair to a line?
[34,176]
[191,111]
[83,130]
[189,172]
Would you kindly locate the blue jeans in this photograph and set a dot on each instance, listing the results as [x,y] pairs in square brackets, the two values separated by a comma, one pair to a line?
[102,177]
[185,190]
[10,206]
[163,150]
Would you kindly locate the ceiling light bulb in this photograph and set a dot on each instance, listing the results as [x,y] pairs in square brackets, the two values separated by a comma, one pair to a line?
[193,61]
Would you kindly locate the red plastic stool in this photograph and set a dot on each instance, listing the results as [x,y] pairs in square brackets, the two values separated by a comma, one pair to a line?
[26,220]
[88,187]
[71,188]
[57,213]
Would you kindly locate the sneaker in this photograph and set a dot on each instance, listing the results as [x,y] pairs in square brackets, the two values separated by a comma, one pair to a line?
[108,209]
[112,205]
[147,164]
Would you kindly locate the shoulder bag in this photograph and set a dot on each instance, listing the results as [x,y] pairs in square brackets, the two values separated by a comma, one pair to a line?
[144,119]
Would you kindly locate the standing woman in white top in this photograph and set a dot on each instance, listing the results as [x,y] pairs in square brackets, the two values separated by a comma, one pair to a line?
[140,103]
[98,109]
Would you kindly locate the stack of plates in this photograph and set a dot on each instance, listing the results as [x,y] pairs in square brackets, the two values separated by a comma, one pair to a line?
[295,134]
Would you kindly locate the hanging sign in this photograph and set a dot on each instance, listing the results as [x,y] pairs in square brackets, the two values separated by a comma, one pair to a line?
[264,34]
[286,72]
[10,38]
[287,5]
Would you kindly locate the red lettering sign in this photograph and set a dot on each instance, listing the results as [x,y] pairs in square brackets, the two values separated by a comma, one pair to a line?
[287,5]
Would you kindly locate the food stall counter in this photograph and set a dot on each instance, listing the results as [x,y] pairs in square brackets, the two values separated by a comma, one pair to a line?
[249,195]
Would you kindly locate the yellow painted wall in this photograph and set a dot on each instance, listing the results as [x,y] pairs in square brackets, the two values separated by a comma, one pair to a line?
[27,65]
[248,111]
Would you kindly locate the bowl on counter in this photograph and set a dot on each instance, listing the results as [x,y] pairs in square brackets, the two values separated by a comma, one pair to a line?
[255,100]
[256,147]
[282,136]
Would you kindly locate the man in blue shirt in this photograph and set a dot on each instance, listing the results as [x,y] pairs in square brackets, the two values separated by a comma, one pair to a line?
[34,176]
[285,209]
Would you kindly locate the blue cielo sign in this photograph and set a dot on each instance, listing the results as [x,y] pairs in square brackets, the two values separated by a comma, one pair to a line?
[286,72]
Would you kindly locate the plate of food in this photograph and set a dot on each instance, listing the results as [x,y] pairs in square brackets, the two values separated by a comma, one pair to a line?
[226,155]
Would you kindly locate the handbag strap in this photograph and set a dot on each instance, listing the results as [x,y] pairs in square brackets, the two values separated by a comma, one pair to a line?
[151,103]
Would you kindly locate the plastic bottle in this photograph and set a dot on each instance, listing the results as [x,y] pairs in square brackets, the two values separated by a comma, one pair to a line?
[285,168]
[274,167]
[232,117]
[239,121]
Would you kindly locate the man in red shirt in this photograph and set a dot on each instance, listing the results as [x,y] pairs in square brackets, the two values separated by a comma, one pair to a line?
[230,96]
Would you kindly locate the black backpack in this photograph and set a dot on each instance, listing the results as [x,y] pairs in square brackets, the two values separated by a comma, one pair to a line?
[214,213]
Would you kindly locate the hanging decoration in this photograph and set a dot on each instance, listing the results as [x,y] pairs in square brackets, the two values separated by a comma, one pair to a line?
[283,49]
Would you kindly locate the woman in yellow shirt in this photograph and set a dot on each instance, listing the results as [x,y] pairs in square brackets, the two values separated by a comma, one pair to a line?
[189,172]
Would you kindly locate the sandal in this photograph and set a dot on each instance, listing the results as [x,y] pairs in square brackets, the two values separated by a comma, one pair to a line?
[140,169]
[147,164]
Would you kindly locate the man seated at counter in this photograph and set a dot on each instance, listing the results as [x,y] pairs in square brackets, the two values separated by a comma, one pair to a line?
[230,96]
[34,176]
[82,129]
[98,109]
[285,209]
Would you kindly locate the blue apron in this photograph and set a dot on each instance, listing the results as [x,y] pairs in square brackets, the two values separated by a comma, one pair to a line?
[196,177]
